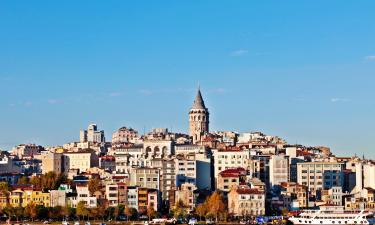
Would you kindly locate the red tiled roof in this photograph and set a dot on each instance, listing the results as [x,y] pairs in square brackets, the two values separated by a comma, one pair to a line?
[108,157]
[233,172]
[249,191]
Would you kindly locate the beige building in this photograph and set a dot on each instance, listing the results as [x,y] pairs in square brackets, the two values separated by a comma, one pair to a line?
[125,135]
[82,161]
[52,162]
[198,119]
[145,177]
[246,201]
[230,179]
[186,194]
[294,195]
[227,159]
[58,198]
[278,169]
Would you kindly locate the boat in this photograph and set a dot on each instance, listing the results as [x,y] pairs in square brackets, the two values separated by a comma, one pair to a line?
[333,215]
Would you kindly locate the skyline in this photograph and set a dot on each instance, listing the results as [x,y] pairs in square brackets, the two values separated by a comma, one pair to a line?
[301,71]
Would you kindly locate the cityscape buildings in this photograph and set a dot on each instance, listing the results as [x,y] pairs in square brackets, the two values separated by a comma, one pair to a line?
[161,171]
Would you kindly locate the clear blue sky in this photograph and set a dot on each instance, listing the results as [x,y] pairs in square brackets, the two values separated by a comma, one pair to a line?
[303,70]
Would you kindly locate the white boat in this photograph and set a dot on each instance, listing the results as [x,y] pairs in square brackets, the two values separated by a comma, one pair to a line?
[333,215]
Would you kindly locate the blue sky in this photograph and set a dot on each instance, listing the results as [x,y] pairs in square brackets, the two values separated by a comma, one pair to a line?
[303,70]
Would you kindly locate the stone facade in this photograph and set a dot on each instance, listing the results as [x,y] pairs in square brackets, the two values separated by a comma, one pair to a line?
[198,119]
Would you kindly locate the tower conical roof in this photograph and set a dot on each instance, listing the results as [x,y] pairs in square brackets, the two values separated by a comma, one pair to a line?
[198,102]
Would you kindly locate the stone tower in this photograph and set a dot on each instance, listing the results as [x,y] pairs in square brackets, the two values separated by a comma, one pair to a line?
[198,118]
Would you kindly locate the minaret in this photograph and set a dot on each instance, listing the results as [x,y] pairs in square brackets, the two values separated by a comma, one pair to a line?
[198,118]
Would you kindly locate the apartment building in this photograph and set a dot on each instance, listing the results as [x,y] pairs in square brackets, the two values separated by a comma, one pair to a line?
[245,201]
[318,176]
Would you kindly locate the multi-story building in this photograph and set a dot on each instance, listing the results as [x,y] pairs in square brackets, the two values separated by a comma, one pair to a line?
[318,176]
[186,170]
[294,195]
[58,197]
[132,196]
[153,199]
[167,176]
[82,160]
[279,170]
[230,158]
[186,193]
[142,200]
[26,150]
[107,163]
[52,162]
[112,194]
[230,179]
[369,175]
[22,196]
[333,196]
[128,157]
[158,149]
[260,168]
[245,201]
[83,195]
[92,134]
[7,164]
[125,135]
[202,163]
[145,177]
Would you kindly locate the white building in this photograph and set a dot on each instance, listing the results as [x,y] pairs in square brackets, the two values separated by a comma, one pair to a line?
[278,169]
[369,175]
[318,176]
[83,195]
[226,159]
[92,134]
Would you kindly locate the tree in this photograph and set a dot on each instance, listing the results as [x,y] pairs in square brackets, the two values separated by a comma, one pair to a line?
[19,212]
[216,206]
[180,209]
[101,211]
[41,211]
[48,181]
[151,212]
[94,184]
[81,210]
[130,213]
[31,211]
[201,211]
[9,211]
[24,180]
[5,187]
[116,212]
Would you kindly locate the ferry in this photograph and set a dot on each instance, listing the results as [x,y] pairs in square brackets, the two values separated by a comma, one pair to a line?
[333,215]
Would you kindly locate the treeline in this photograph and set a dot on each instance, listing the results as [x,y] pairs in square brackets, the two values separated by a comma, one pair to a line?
[39,212]
[214,207]
[45,182]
